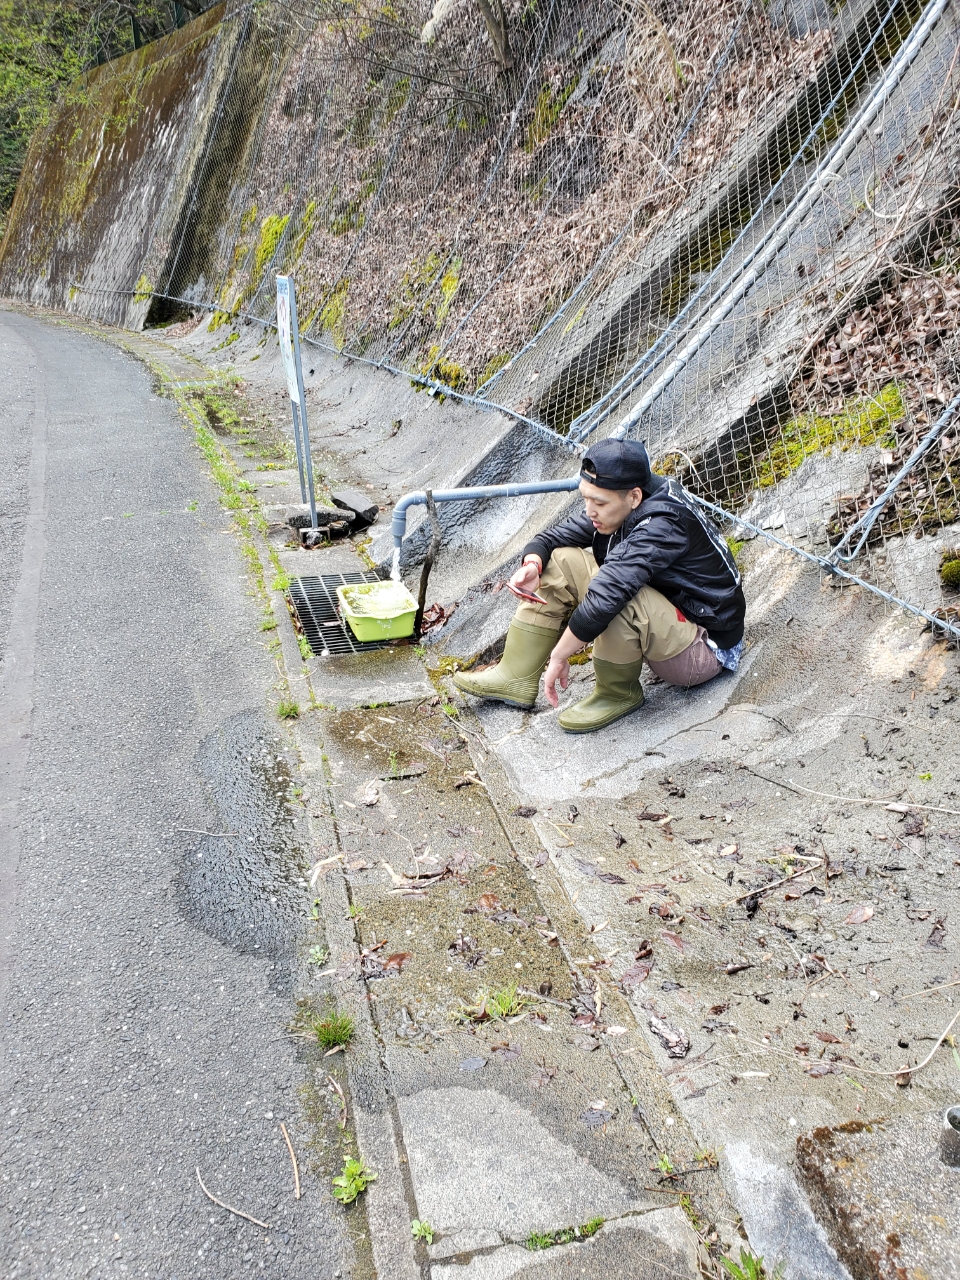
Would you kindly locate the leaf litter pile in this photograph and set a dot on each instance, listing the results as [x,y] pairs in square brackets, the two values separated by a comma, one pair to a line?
[776,918]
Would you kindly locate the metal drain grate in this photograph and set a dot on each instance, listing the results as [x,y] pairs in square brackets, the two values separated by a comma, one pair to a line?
[315,600]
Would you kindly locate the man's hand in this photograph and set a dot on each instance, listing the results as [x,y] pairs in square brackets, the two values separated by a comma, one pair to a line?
[558,669]
[527,577]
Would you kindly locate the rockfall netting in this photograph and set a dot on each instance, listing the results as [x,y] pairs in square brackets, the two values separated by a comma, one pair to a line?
[729,229]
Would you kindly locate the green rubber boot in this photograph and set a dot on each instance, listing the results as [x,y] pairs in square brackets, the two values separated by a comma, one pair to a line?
[618,692]
[516,677]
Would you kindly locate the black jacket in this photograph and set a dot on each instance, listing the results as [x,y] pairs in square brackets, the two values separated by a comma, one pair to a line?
[665,543]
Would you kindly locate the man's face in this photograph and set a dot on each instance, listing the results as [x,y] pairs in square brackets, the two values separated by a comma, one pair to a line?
[606,507]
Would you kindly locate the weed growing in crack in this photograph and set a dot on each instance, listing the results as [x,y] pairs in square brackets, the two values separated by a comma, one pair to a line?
[287,709]
[495,1006]
[306,653]
[750,1267]
[334,1031]
[686,1205]
[567,1235]
[507,1002]
[268,622]
[354,1180]
[318,954]
[421,1230]
[708,1156]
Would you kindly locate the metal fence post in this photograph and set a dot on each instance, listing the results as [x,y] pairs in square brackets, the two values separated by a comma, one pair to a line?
[288,332]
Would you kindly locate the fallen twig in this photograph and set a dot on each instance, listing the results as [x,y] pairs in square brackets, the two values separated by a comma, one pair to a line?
[536,995]
[343,1101]
[239,1212]
[751,893]
[569,844]
[775,781]
[909,1071]
[321,866]
[799,788]
[927,990]
[293,1161]
[885,800]
[685,1066]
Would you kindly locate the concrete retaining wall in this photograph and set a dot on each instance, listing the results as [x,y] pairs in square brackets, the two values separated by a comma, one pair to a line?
[104,183]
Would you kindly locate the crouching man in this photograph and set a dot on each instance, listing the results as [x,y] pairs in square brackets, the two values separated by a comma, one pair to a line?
[641,574]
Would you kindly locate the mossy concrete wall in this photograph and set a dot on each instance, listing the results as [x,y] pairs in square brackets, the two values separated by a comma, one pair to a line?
[104,182]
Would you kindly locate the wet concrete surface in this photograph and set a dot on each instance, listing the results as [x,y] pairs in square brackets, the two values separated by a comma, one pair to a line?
[891,1201]
[136,1045]
[518,1118]
[242,882]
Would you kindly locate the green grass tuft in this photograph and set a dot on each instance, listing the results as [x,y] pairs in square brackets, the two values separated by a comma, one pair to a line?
[288,710]
[334,1031]
[750,1267]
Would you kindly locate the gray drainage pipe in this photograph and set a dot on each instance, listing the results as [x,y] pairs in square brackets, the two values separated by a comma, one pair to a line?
[826,172]
[398,524]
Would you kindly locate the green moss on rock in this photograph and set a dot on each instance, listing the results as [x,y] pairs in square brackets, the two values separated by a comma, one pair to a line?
[271,232]
[546,113]
[333,314]
[950,569]
[862,422]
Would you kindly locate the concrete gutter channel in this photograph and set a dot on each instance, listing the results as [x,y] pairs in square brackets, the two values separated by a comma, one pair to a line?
[495,1130]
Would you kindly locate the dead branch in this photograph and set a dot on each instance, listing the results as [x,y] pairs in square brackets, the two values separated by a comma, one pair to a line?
[229,1208]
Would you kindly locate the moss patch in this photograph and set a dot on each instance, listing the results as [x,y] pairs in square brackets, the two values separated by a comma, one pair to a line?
[950,569]
[546,113]
[271,231]
[440,369]
[427,288]
[333,314]
[862,422]
[494,365]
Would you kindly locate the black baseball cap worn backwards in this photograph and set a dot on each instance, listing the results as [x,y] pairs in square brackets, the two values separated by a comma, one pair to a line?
[619,464]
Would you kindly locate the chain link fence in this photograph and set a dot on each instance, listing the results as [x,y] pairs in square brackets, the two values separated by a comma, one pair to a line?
[728,229]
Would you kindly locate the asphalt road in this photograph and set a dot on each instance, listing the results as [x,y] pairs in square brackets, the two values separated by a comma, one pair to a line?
[144,999]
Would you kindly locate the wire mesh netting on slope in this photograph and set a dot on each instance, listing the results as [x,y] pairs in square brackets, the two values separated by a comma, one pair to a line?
[728,229]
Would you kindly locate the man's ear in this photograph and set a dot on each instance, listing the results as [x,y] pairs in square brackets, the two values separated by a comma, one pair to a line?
[636,497]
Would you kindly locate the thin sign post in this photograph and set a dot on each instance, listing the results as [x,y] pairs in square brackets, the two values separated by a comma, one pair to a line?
[289,333]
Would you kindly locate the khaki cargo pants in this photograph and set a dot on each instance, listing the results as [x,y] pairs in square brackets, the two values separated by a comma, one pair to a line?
[649,627]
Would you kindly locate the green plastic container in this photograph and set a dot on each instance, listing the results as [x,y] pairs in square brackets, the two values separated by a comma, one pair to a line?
[378,610]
